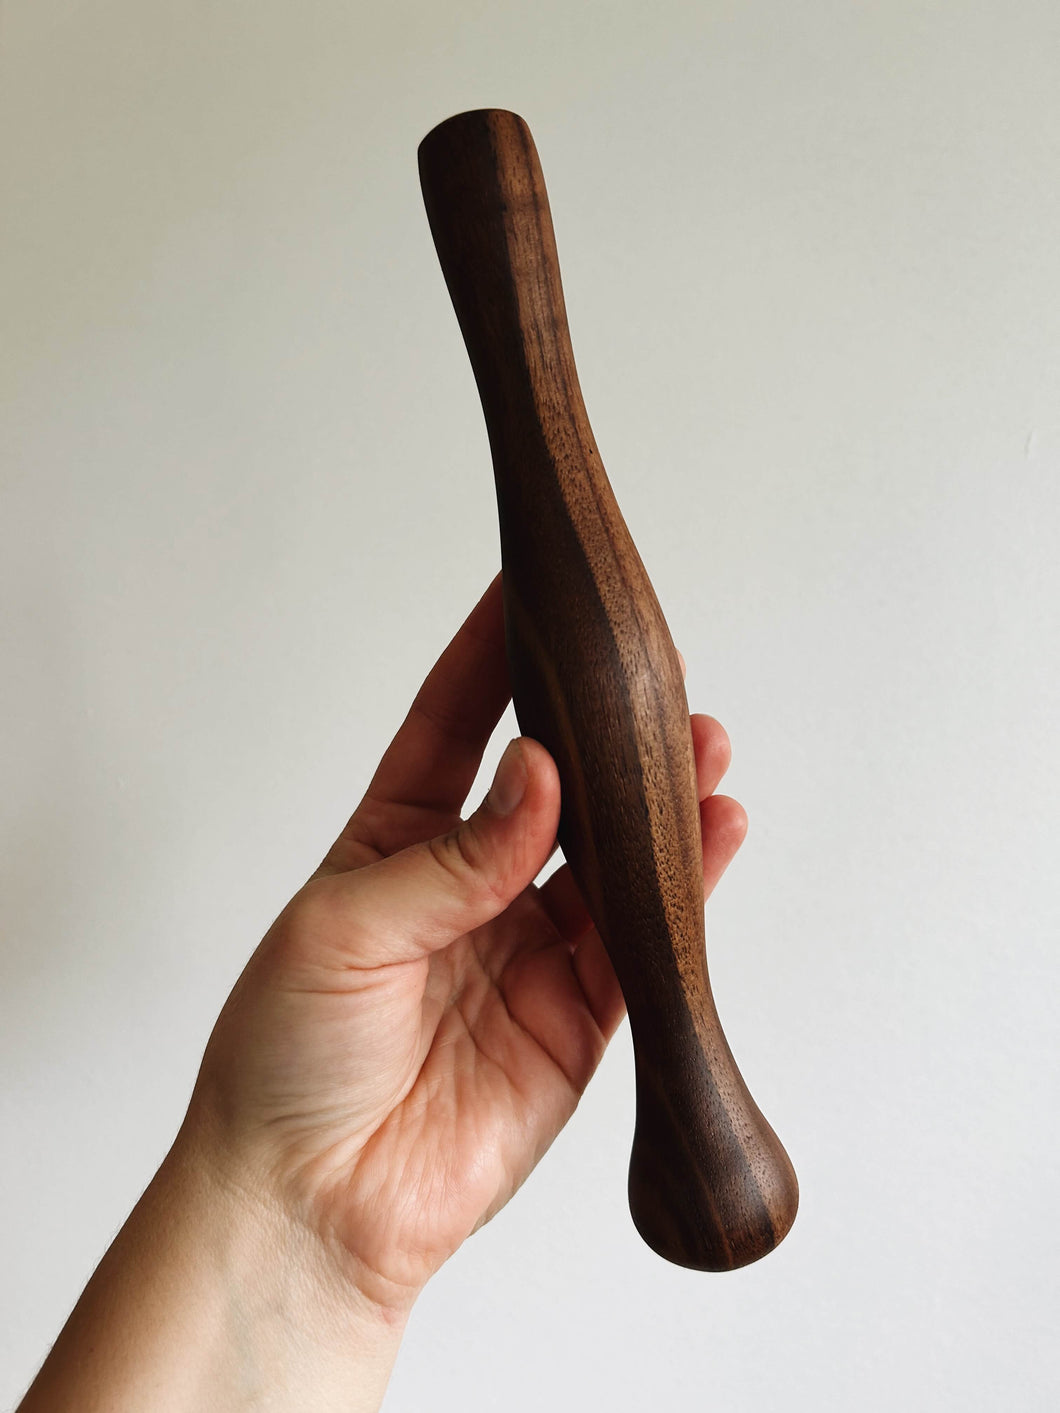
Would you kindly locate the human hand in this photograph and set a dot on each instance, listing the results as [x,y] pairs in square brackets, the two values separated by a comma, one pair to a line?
[408,1039]
[421,1020]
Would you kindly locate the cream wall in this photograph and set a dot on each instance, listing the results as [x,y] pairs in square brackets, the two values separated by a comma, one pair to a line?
[811,258]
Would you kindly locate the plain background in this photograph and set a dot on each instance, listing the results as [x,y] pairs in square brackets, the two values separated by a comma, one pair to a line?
[811,260]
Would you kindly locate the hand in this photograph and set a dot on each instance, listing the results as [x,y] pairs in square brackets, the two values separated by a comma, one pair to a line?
[401,1049]
[421,1020]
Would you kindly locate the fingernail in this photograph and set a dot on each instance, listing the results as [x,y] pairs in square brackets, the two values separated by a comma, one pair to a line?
[509,784]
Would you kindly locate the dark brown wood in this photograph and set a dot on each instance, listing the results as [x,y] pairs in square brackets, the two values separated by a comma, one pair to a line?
[597,680]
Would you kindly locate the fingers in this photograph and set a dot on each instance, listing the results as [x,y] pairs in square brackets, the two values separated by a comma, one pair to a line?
[425,896]
[710,742]
[432,761]
[723,824]
[560,894]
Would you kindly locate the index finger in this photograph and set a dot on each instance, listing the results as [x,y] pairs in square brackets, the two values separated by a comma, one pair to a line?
[431,764]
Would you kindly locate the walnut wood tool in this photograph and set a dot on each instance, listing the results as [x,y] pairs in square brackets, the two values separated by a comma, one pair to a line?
[595,677]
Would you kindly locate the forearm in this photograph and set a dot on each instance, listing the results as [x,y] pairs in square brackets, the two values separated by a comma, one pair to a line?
[207,1299]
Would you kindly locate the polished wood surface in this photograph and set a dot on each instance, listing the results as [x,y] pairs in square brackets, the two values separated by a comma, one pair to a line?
[596,679]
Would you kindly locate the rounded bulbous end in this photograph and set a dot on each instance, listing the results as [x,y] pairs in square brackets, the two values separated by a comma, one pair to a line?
[710,1187]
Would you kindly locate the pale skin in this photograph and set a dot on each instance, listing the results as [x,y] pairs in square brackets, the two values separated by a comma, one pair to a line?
[402,1048]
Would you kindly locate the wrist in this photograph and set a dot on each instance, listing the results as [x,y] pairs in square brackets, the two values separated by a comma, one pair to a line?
[267,1193]
[212,1296]
[301,1312]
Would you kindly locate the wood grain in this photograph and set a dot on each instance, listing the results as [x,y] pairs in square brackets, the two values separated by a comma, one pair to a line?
[596,679]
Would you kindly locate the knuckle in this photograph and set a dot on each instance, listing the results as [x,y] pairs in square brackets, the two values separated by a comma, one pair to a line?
[462,857]
[313,907]
[320,921]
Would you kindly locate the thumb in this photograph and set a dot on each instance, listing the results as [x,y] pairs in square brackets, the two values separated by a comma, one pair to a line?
[424,897]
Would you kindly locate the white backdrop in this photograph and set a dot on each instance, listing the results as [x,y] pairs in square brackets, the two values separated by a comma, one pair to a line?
[811,261]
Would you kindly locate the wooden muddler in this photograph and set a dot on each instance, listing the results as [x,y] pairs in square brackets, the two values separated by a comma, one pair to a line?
[596,679]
